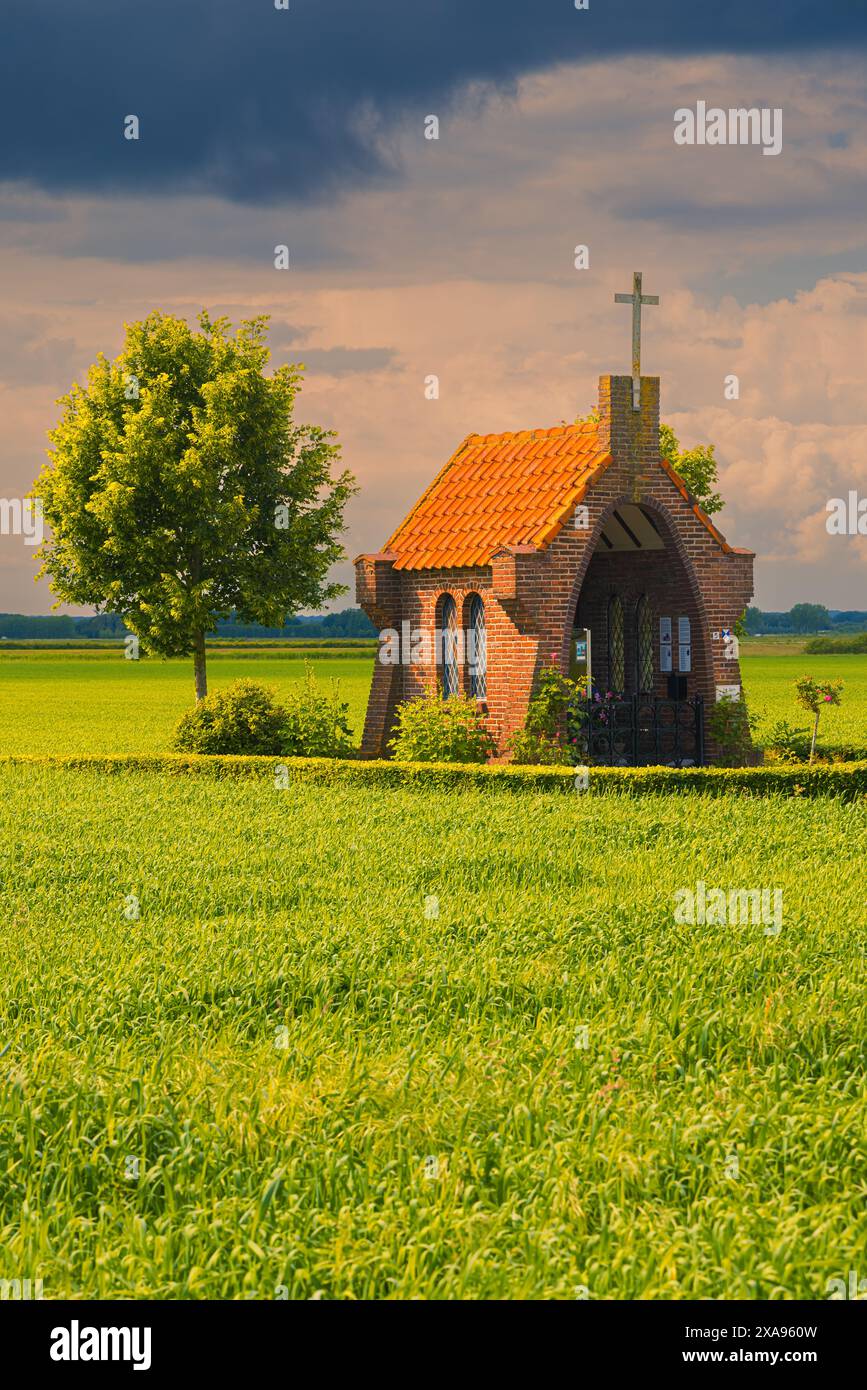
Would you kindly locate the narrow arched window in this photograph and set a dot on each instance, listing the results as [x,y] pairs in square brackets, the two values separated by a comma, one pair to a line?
[616,650]
[477,649]
[447,640]
[644,645]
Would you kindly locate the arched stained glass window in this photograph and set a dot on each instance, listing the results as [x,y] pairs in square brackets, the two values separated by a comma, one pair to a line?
[477,649]
[447,626]
[616,649]
[644,645]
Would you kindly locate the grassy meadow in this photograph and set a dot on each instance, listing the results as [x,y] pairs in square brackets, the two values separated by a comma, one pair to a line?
[295,1072]
[259,1042]
[95,701]
[98,702]
[769,677]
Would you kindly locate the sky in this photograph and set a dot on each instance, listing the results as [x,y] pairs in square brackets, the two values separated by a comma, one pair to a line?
[454,258]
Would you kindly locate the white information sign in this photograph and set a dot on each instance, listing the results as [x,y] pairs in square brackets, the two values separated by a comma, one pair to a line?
[665,663]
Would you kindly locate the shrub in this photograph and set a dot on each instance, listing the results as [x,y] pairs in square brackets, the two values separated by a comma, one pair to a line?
[436,729]
[241,718]
[730,726]
[527,749]
[543,738]
[316,724]
[851,645]
[245,718]
[845,780]
[788,745]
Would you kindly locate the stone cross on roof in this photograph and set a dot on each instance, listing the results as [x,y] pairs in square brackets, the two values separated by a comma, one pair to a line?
[636,299]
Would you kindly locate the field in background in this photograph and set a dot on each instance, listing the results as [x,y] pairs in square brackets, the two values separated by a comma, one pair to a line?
[95,701]
[769,681]
[296,645]
[771,665]
[773,646]
[769,684]
[287,1072]
[91,702]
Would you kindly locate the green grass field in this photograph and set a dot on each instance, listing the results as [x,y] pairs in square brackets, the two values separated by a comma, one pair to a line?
[768,684]
[54,701]
[92,702]
[293,1073]
[285,1073]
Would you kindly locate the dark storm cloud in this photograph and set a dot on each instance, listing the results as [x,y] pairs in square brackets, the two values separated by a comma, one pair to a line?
[256,104]
[703,215]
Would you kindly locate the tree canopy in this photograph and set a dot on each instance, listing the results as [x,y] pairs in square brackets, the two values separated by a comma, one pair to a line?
[809,617]
[180,490]
[697,467]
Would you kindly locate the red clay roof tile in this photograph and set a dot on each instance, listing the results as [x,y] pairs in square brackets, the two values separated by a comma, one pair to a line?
[507,489]
[496,490]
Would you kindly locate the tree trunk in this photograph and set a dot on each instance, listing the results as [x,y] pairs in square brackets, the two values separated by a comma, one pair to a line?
[815,732]
[199,666]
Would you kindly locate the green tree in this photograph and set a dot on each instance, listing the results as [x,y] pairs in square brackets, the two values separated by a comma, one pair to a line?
[809,617]
[697,467]
[179,488]
[753,620]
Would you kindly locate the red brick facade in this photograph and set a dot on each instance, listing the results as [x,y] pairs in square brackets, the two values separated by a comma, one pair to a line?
[533,596]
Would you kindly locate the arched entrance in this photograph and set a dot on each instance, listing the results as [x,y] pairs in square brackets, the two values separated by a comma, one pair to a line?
[650,671]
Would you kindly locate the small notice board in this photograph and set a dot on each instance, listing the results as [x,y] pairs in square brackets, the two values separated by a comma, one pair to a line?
[665,645]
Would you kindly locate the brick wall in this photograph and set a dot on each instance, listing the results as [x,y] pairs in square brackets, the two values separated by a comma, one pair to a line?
[532,597]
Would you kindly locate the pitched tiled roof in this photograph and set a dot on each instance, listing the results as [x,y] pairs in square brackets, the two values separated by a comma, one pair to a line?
[496,490]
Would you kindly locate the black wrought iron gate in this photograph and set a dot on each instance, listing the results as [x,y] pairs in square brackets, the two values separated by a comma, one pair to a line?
[638,731]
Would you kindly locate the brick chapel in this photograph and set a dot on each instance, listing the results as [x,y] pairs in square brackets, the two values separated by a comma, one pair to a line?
[525,537]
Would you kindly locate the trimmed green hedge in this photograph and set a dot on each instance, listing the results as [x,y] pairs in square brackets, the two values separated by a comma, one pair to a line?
[847,780]
[855,643]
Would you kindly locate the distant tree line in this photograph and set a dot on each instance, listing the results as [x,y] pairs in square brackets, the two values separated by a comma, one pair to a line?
[805,617]
[351,622]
